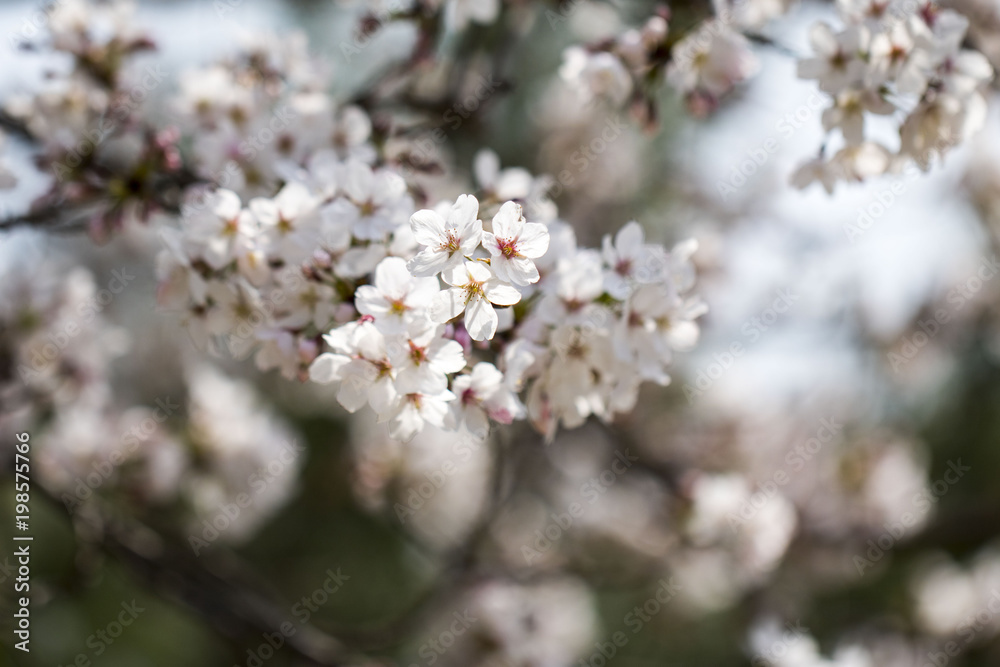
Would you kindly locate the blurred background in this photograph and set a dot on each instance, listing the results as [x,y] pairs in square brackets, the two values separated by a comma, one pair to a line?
[817,485]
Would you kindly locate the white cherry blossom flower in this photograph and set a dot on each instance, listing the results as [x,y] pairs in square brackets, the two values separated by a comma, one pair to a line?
[289,222]
[425,361]
[848,113]
[483,395]
[377,200]
[630,260]
[838,63]
[415,410]
[474,290]
[596,76]
[447,242]
[397,300]
[513,244]
[360,362]
[311,303]
[710,61]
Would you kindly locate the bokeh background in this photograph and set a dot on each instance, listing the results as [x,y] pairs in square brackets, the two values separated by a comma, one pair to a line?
[824,303]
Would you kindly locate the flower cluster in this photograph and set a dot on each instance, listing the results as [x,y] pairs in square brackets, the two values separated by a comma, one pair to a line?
[702,65]
[400,355]
[58,347]
[610,71]
[593,327]
[706,64]
[893,59]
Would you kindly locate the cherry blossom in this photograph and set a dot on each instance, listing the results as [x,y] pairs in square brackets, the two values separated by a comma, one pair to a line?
[513,243]
[475,288]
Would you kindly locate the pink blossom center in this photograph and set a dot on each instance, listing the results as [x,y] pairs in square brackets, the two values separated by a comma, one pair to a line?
[508,247]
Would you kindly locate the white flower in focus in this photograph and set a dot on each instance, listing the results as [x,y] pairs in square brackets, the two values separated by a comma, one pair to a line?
[423,365]
[474,290]
[513,243]
[447,242]
[414,410]
[397,300]
[360,362]
[484,395]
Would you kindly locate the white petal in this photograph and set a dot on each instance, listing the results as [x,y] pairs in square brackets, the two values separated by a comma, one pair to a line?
[501,294]
[392,278]
[428,262]
[382,396]
[447,305]
[521,271]
[480,319]
[447,355]
[486,167]
[507,221]
[428,227]
[464,211]
[227,204]
[326,367]
[534,240]
[629,239]
[490,243]
[478,271]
